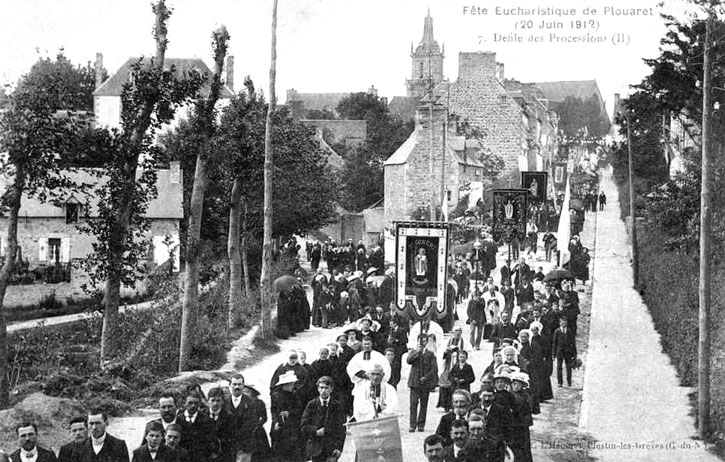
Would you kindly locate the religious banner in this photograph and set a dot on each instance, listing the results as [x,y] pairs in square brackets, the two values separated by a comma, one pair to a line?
[420,262]
[509,214]
[377,440]
[535,183]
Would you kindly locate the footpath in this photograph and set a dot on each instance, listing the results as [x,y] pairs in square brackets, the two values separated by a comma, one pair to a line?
[633,406]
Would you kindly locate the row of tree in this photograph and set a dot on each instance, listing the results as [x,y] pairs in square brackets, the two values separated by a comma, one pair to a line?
[222,153]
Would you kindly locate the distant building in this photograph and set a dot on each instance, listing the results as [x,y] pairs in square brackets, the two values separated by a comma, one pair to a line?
[478,113]
[557,92]
[107,97]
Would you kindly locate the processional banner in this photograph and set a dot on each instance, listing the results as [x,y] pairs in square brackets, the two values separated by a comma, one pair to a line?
[509,214]
[377,440]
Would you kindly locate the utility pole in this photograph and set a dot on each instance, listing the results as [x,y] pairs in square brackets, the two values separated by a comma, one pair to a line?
[633,239]
[703,351]
[431,153]
[444,197]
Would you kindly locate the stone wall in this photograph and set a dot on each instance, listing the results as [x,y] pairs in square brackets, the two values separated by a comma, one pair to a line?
[481,100]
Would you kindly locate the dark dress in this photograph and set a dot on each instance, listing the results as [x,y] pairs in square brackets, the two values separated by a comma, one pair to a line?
[262,451]
[520,442]
[285,432]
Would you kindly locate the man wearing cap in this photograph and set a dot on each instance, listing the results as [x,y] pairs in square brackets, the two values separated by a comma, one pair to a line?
[373,396]
[476,318]
[422,379]
[363,361]
[323,424]
[563,349]
[27,433]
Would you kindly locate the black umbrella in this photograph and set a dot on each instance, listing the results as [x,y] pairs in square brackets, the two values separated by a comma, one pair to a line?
[557,275]
[576,204]
[285,282]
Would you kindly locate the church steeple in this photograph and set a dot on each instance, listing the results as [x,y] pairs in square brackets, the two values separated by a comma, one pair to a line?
[427,60]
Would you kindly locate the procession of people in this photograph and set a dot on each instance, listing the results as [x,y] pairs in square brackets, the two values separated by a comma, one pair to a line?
[529,319]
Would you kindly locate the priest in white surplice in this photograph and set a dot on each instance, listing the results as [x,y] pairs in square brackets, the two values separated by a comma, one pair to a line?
[374,397]
[361,363]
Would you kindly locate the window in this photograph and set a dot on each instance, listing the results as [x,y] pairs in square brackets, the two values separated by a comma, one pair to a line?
[72,212]
[421,70]
[54,254]
[448,195]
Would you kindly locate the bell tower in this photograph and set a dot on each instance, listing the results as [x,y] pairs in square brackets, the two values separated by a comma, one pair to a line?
[427,62]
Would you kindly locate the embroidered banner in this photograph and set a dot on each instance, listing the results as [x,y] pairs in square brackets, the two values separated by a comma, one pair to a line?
[420,262]
[377,439]
[509,214]
[535,183]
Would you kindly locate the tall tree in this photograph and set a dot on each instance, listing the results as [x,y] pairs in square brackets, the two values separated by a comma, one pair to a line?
[31,138]
[363,169]
[148,101]
[204,120]
[266,279]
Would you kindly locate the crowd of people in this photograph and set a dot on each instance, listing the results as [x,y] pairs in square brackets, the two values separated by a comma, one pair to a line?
[488,407]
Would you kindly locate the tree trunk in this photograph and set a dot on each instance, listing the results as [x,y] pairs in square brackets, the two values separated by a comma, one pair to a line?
[235,259]
[191,278]
[245,253]
[124,212]
[266,283]
[14,197]
[196,207]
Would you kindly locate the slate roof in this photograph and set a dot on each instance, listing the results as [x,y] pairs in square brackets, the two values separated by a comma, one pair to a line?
[113,86]
[168,203]
[558,91]
[318,101]
[404,107]
[455,146]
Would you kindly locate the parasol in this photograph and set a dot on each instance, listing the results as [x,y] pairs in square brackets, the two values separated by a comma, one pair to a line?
[557,275]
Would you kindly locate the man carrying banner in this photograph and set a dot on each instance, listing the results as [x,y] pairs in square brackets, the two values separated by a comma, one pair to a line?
[323,424]
[422,379]
[374,397]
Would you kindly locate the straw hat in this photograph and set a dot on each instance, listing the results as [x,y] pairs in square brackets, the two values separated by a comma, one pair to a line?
[522,377]
[287,377]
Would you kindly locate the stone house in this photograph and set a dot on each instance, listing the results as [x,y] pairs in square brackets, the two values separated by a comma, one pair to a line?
[48,235]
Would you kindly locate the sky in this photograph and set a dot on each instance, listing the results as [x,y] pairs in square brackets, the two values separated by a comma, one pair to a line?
[350,45]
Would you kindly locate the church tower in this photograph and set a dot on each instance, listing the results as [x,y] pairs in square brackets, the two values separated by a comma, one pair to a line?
[427,62]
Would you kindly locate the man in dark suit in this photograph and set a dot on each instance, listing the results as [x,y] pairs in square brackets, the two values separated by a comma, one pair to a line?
[422,379]
[459,450]
[461,402]
[223,424]
[497,419]
[503,329]
[153,450]
[323,424]
[563,348]
[197,430]
[246,418]
[79,432]
[101,447]
[28,440]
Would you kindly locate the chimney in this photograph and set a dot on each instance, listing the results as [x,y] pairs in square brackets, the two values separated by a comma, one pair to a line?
[372,90]
[99,69]
[230,73]
[476,65]
[499,71]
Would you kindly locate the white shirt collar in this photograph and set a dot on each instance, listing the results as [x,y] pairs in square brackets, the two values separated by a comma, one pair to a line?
[191,418]
[98,441]
[165,424]
[31,455]
[236,400]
